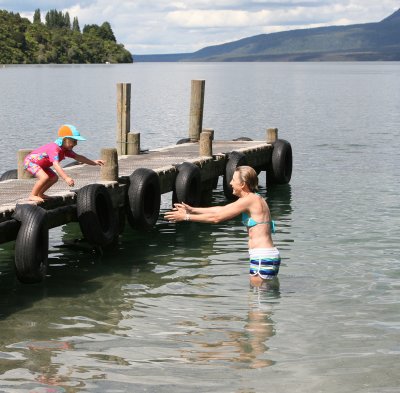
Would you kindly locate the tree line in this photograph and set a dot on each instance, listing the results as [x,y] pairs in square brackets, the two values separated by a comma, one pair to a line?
[57,40]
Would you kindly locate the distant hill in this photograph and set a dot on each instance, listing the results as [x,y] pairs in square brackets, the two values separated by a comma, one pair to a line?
[369,41]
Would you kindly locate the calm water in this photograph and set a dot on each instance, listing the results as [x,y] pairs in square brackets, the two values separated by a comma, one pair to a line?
[172,310]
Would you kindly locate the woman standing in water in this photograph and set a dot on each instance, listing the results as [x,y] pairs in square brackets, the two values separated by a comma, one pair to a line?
[264,256]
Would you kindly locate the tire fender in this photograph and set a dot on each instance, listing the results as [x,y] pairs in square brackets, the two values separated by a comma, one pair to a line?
[183,140]
[280,170]
[235,159]
[187,187]
[144,198]
[96,215]
[8,175]
[32,244]
[242,138]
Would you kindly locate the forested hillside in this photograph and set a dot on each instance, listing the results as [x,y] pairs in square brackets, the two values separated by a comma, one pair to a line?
[57,40]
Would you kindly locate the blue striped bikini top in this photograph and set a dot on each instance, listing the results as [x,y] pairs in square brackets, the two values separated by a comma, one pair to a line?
[251,222]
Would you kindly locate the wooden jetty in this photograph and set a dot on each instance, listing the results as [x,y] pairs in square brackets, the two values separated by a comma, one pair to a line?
[130,184]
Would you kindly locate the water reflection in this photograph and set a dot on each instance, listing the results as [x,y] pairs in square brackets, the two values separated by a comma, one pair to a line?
[240,341]
[164,300]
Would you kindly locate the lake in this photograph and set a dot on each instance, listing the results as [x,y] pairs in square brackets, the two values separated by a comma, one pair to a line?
[172,310]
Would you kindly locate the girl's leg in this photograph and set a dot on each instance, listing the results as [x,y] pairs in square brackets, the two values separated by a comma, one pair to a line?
[43,179]
[53,178]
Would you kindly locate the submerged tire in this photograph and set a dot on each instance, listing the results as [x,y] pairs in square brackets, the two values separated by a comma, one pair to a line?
[242,138]
[280,170]
[32,244]
[235,159]
[187,185]
[183,140]
[144,198]
[9,175]
[96,215]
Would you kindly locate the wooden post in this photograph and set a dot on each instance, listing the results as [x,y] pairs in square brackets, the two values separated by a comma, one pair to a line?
[22,173]
[109,171]
[196,109]
[272,135]
[205,145]
[123,116]
[133,144]
[210,130]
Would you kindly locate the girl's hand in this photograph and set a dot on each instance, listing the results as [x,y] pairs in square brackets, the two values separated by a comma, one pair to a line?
[70,181]
[99,162]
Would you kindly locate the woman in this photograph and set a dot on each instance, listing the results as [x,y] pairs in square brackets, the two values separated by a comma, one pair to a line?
[264,256]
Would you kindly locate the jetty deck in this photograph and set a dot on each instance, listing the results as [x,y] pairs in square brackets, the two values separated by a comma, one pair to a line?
[163,161]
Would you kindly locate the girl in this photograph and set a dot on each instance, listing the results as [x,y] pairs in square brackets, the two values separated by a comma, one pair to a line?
[39,161]
[264,256]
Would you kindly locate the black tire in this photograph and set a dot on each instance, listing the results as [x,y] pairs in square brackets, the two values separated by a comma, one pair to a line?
[183,140]
[9,175]
[96,215]
[235,159]
[187,185]
[144,199]
[121,219]
[243,138]
[32,244]
[280,170]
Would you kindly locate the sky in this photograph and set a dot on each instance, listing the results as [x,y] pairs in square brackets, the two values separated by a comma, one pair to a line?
[181,26]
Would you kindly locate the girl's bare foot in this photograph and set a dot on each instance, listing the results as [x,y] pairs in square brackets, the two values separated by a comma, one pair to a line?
[36,198]
[44,196]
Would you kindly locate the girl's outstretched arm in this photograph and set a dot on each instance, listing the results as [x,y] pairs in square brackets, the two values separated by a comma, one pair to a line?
[85,160]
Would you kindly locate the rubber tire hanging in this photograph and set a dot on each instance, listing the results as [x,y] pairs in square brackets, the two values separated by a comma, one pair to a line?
[187,187]
[235,159]
[32,244]
[96,216]
[9,175]
[280,170]
[144,198]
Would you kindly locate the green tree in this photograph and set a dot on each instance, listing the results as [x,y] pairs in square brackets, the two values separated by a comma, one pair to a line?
[75,25]
[36,16]
[67,20]
[106,32]
[55,42]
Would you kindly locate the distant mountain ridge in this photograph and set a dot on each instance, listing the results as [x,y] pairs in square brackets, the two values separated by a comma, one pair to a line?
[368,41]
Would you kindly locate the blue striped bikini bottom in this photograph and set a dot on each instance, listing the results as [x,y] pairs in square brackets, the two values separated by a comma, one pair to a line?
[264,262]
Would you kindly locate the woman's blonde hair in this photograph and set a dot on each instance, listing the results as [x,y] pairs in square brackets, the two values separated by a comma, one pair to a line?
[249,176]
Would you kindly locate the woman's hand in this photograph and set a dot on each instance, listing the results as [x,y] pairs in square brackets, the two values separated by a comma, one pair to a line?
[183,205]
[178,213]
[99,162]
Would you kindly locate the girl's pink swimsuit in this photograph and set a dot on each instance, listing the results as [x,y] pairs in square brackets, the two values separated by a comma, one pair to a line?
[44,156]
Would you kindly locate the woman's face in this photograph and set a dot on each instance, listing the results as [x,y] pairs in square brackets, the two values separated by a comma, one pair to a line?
[236,184]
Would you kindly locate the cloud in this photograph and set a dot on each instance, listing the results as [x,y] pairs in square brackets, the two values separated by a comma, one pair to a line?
[173,26]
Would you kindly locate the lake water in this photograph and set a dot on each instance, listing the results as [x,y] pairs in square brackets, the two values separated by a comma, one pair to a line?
[172,310]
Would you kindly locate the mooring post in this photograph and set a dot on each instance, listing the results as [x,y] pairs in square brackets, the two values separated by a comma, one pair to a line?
[22,173]
[196,109]
[133,143]
[109,171]
[272,135]
[209,130]
[205,145]
[123,116]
